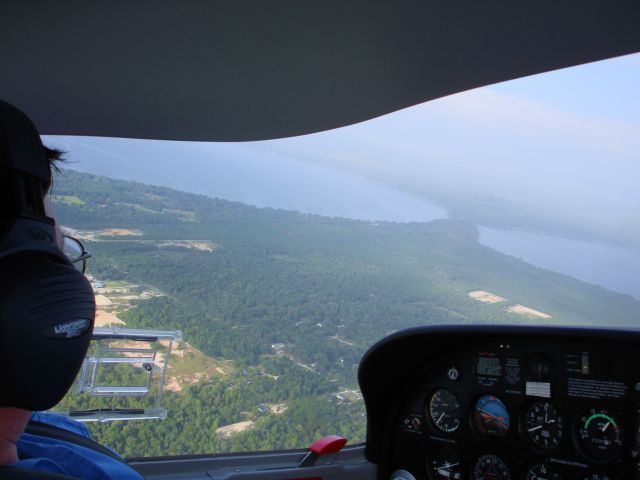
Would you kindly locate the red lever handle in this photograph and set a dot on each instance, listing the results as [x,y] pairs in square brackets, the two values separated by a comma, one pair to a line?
[330,444]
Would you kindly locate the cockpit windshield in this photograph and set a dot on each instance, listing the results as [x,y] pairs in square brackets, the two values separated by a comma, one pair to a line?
[283,261]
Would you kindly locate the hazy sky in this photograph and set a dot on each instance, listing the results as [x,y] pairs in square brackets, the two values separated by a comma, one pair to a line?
[567,140]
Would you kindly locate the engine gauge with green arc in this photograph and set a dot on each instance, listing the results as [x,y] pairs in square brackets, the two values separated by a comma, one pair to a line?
[599,435]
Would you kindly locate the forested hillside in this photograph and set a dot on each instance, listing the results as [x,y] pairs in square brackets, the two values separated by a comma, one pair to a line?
[292,301]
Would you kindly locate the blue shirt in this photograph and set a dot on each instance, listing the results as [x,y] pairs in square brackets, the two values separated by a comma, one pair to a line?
[57,456]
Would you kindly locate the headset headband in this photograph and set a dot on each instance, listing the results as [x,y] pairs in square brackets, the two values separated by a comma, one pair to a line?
[20,146]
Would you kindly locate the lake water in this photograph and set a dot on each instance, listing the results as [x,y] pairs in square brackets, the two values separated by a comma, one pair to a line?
[236,172]
[609,266]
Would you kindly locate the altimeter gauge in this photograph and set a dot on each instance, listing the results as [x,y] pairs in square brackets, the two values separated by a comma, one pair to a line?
[543,426]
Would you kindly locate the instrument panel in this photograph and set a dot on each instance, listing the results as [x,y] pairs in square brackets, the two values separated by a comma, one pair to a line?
[523,410]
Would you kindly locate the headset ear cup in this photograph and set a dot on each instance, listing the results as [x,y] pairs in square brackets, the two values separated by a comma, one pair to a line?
[47,310]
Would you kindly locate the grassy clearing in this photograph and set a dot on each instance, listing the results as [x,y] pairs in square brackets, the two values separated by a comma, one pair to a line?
[68,199]
[187,361]
[140,208]
[117,284]
[184,215]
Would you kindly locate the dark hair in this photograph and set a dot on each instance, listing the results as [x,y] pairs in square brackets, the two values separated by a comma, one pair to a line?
[54,156]
[8,207]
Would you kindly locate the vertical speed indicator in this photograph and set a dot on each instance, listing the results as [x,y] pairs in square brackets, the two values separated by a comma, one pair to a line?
[444,411]
[541,472]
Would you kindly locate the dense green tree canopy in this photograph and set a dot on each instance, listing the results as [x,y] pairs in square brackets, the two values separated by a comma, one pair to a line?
[324,288]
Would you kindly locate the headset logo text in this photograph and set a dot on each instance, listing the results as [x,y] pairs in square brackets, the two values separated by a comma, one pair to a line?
[72,329]
[38,235]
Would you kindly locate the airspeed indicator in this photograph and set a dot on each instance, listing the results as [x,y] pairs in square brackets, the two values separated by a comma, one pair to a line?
[444,411]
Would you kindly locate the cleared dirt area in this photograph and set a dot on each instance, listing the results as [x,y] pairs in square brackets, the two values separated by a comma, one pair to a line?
[172,385]
[486,297]
[200,245]
[118,232]
[158,357]
[178,352]
[234,428]
[341,340]
[529,312]
[104,319]
[102,301]
[188,365]
[175,384]
[350,395]
[277,408]
[131,344]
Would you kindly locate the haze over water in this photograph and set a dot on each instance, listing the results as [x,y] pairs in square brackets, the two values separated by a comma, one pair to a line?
[235,172]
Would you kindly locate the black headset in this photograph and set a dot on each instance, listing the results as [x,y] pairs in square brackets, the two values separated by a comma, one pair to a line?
[47,307]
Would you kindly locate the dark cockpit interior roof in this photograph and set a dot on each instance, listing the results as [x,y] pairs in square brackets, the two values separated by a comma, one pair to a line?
[251,70]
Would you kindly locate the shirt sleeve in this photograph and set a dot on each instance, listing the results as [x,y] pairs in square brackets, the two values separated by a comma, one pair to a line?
[56,456]
[61,421]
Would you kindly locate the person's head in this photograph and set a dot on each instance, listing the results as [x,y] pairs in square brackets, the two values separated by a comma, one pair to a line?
[47,307]
[9,204]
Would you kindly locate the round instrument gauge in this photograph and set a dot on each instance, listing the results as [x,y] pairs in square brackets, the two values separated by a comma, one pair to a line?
[597,476]
[490,467]
[491,417]
[599,435]
[402,475]
[543,425]
[444,411]
[541,471]
[444,464]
